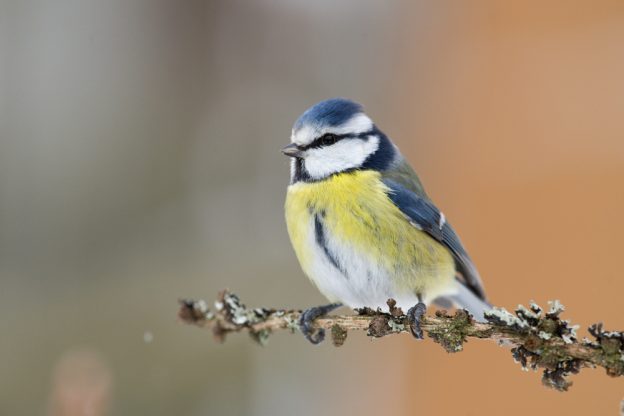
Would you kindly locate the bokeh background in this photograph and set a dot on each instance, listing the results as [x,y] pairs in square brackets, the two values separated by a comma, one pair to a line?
[140,163]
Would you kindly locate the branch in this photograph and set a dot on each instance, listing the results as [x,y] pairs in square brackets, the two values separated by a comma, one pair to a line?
[538,339]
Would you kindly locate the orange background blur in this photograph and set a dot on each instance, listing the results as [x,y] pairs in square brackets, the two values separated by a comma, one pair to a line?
[140,163]
[521,115]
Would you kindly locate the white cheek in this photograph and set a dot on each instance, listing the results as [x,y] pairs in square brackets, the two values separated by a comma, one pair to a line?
[346,154]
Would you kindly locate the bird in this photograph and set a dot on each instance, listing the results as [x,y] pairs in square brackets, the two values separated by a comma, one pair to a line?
[362,226]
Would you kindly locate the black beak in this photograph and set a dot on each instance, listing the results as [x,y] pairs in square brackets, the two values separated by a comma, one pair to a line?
[292,150]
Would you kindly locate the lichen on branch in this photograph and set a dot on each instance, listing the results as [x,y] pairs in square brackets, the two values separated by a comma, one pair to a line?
[539,339]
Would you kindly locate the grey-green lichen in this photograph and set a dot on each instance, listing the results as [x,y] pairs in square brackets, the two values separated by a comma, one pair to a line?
[338,335]
[239,314]
[500,316]
[196,310]
[542,335]
[261,337]
[396,326]
[291,323]
[540,338]
[453,332]
[611,345]
[555,307]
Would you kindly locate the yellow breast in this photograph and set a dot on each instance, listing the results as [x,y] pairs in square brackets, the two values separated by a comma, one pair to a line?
[358,213]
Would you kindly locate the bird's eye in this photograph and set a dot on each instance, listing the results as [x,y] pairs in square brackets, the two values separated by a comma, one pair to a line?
[329,139]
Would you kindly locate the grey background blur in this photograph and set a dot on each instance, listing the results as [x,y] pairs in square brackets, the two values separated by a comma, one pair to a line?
[140,163]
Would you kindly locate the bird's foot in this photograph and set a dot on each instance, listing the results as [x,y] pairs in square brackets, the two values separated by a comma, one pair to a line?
[414,317]
[306,322]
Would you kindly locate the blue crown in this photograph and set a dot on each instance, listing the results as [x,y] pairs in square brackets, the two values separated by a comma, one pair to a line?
[332,112]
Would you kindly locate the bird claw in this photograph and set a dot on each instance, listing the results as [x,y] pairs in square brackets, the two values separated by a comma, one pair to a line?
[306,322]
[414,318]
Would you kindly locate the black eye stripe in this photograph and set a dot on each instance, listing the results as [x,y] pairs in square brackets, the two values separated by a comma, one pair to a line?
[320,142]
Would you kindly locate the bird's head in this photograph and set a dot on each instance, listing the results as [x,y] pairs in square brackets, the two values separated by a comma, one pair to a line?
[336,136]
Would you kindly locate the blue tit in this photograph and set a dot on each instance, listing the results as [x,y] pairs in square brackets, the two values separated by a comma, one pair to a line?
[362,226]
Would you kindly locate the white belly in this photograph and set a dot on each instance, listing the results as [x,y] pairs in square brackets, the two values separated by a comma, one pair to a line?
[346,275]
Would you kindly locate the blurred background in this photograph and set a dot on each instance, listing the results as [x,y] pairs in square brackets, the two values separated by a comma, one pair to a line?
[140,163]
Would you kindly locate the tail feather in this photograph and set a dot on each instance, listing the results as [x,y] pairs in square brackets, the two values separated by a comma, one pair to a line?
[468,300]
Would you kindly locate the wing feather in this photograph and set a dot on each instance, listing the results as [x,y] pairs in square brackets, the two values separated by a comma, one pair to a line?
[424,215]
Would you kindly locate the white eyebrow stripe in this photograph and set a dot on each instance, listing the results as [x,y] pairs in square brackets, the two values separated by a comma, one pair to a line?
[305,135]
[359,123]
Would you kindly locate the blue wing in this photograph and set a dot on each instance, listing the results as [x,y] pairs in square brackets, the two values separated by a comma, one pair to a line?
[427,217]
